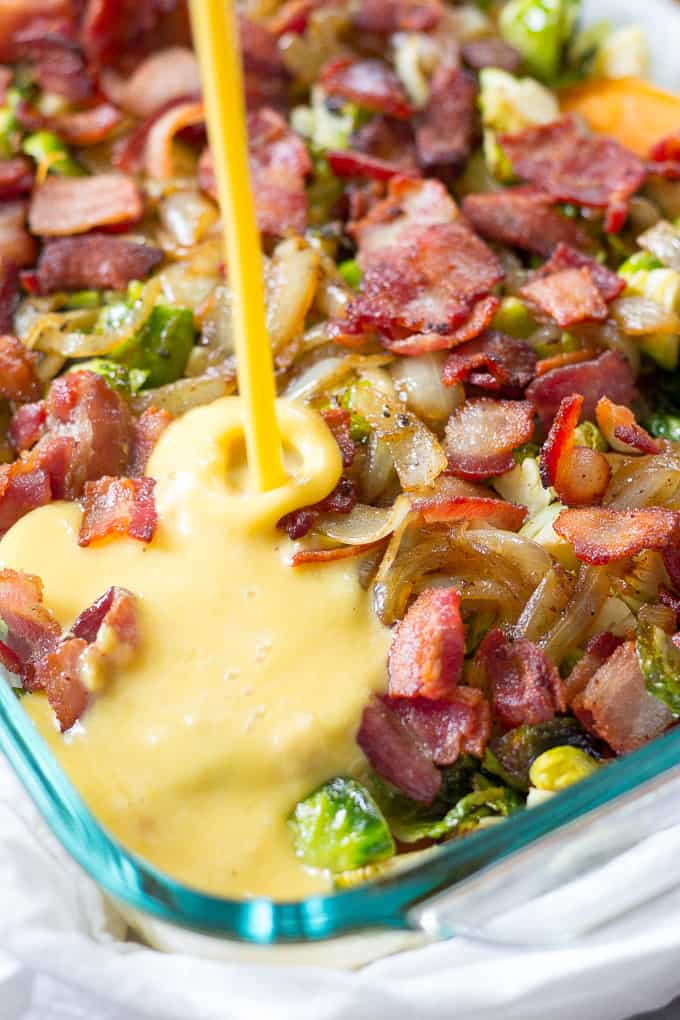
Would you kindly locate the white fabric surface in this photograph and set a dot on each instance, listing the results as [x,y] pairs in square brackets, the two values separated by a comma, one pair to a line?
[62,956]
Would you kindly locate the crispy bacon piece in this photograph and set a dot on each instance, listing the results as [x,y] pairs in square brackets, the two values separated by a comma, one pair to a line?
[51,47]
[616,706]
[492,361]
[27,425]
[118,506]
[621,430]
[445,509]
[480,317]
[146,431]
[491,52]
[88,425]
[602,535]
[98,261]
[23,487]
[338,420]
[568,297]
[163,77]
[292,16]
[279,163]
[428,646]
[348,163]
[446,128]
[342,499]
[579,475]
[671,561]
[526,687]
[425,280]
[18,380]
[445,729]
[60,674]
[609,284]
[370,83]
[303,557]
[115,610]
[588,170]
[112,28]
[16,177]
[408,204]
[77,127]
[564,358]
[523,218]
[596,653]
[16,244]
[129,152]
[667,598]
[481,435]
[18,14]
[390,141]
[387,16]
[158,158]
[32,630]
[395,754]
[609,375]
[265,74]
[74,205]
[9,293]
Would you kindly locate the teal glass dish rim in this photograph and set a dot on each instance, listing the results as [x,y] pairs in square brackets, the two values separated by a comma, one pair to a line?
[379,904]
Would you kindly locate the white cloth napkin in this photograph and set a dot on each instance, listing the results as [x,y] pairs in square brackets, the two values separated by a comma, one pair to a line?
[62,954]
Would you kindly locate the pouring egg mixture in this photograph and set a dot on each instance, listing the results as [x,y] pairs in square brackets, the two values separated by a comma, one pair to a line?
[466,596]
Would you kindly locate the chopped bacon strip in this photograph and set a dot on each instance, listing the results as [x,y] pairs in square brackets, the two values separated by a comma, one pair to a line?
[596,653]
[57,63]
[60,674]
[588,170]
[496,512]
[302,557]
[564,358]
[369,83]
[279,163]
[446,128]
[96,261]
[621,430]
[264,71]
[481,435]
[118,506]
[390,141]
[616,706]
[292,16]
[579,475]
[526,687]
[18,14]
[116,610]
[32,630]
[524,218]
[77,127]
[671,561]
[387,16]
[163,77]
[667,598]
[602,535]
[27,425]
[347,163]
[480,317]
[394,753]
[112,28]
[18,381]
[158,159]
[9,293]
[445,729]
[342,499]
[408,204]
[609,284]
[338,420]
[16,177]
[491,52]
[568,297]
[146,431]
[16,244]
[74,205]
[86,436]
[609,375]
[492,361]
[428,647]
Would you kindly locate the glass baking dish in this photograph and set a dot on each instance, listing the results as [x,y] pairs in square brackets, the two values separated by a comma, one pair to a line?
[463,887]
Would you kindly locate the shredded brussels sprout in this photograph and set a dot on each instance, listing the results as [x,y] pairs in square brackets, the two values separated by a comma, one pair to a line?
[540,30]
[659,662]
[560,767]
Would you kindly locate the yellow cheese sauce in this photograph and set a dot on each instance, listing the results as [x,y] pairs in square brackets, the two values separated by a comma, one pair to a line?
[251,678]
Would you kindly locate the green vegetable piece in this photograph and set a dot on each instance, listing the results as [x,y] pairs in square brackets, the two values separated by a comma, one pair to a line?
[539,29]
[511,755]
[666,426]
[588,434]
[162,346]
[513,318]
[83,299]
[659,662]
[48,149]
[641,260]
[560,767]
[340,827]
[663,348]
[525,450]
[476,627]
[118,377]
[350,272]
